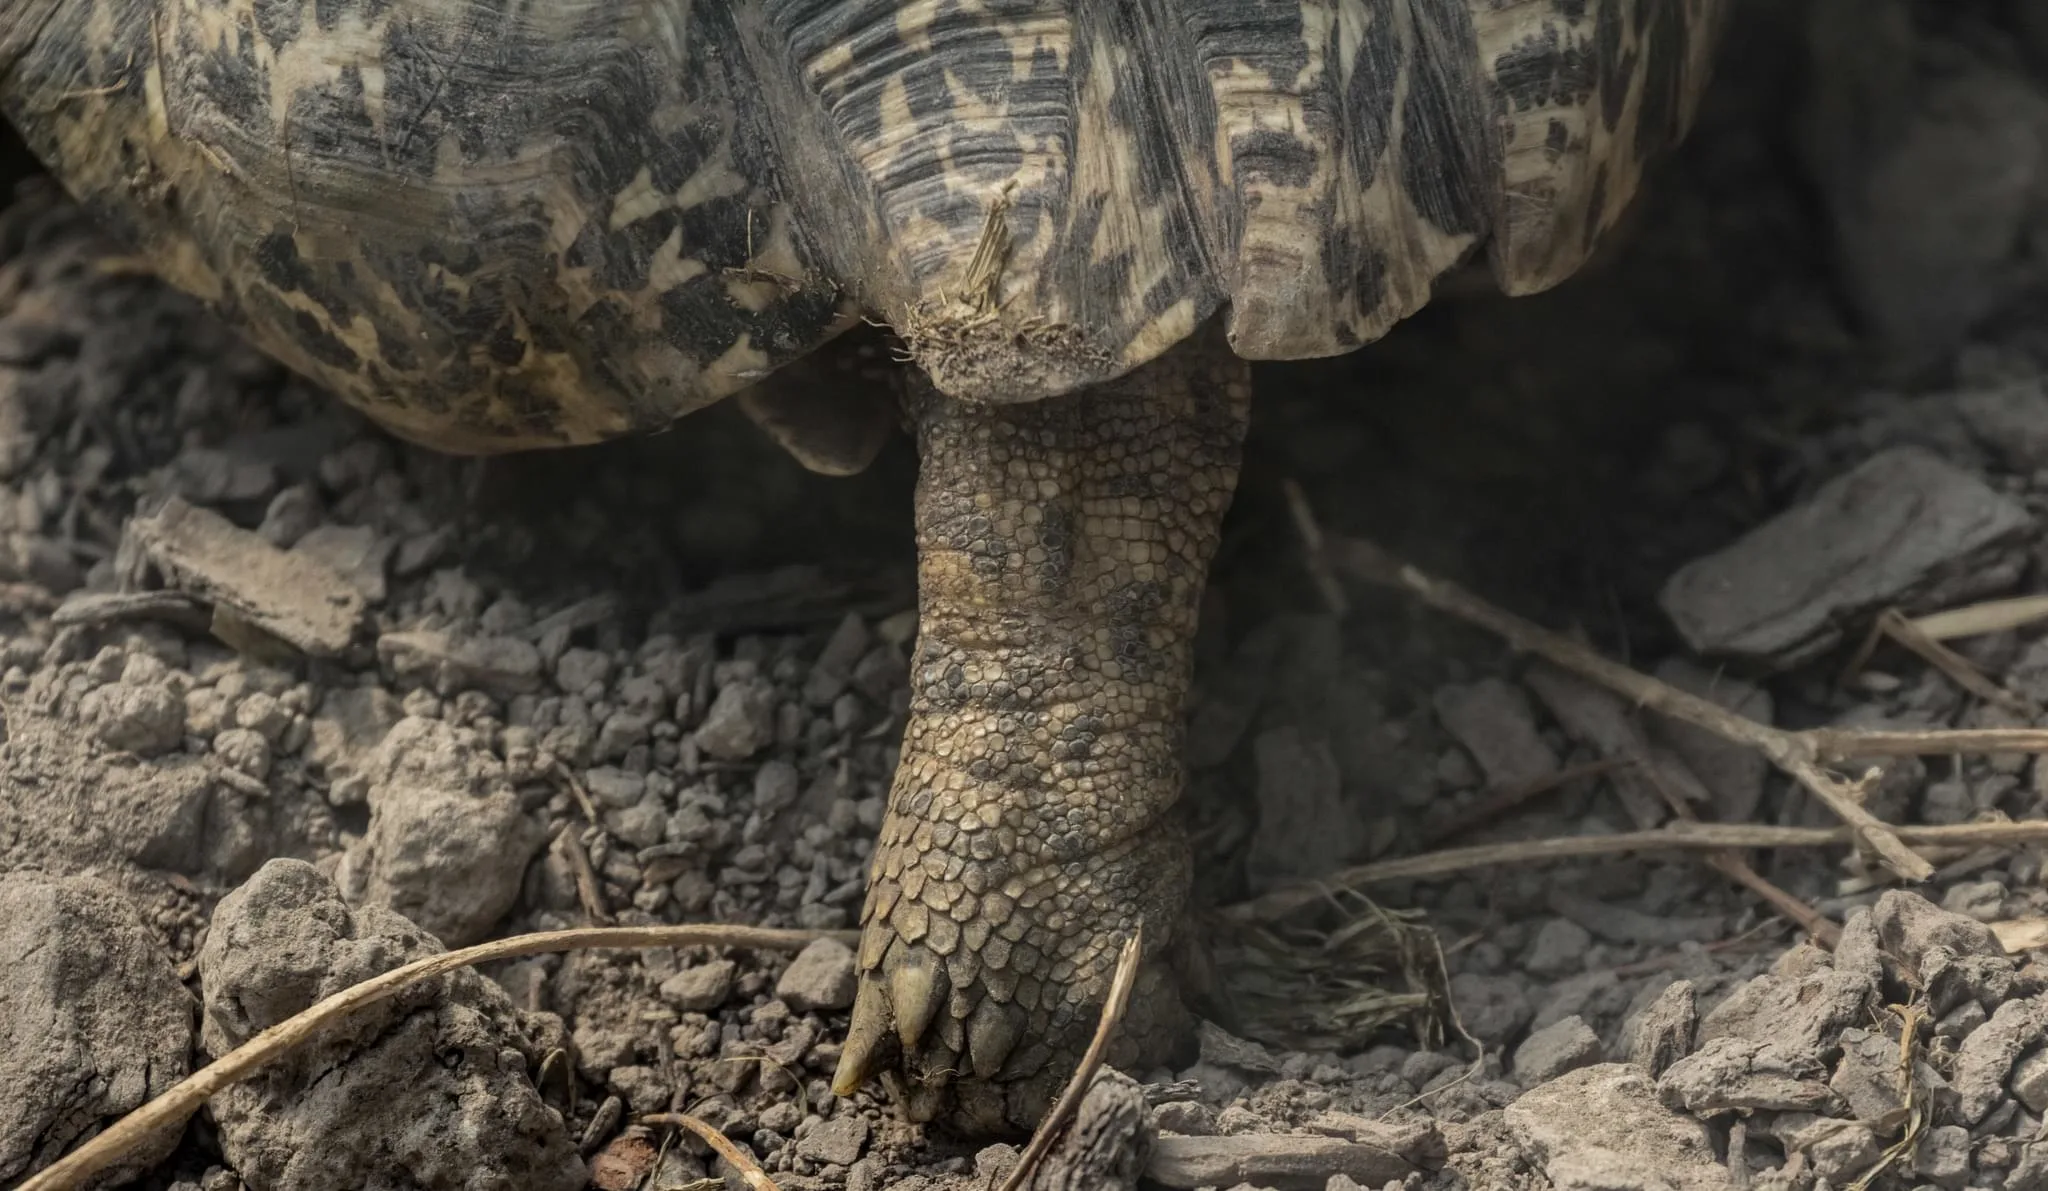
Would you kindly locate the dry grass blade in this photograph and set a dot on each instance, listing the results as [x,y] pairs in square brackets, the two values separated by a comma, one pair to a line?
[1916,1101]
[1680,836]
[1318,986]
[1325,579]
[1957,667]
[742,1161]
[175,1107]
[589,894]
[1069,1102]
[1975,620]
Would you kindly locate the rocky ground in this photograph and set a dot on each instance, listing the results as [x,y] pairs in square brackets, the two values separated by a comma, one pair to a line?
[287,703]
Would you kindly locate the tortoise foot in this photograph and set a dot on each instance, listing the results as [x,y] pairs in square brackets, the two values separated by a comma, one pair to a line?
[976,1006]
[1063,548]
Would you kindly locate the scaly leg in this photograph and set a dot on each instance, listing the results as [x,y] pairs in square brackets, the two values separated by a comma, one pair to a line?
[1063,549]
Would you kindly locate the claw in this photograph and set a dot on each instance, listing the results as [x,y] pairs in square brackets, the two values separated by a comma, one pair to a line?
[868,1041]
[992,1034]
[917,989]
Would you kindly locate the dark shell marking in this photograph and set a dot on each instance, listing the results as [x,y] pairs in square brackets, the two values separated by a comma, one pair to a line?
[496,224]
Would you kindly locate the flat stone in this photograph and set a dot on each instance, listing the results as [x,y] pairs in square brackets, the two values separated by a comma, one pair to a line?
[1664,1031]
[1747,1076]
[1285,1162]
[1305,828]
[1555,1049]
[1732,773]
[1987,1056]
[1876,536]
[499,666]
[2012,421]
[839,1140]
[1868,1081]
[700,988]
[2030,1082]
[1493,721]
[740,721]
[290,597]
[1603,1127]
[1492,1007]
[96,1021]
[348,727]
[820,977]
[1558,948]
[1837,1149]
[1944,1156]
[448,840]
[356,552]
[450,1059]
[144,719]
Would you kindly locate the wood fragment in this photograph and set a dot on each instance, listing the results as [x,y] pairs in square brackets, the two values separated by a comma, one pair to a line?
[1289,1162]
[172,1109]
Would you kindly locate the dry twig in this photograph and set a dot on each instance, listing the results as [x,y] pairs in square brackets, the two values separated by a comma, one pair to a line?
[172,1109]
[1796,753]
[1892,623]
[1991,616]
[1680,836]
[1731,864]
[1069,1102]
[589,893]
[742,1161]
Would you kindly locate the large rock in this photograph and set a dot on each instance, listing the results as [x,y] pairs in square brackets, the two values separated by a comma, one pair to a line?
[1603,1128]
[1902,525]
[95,1021]
[448,841]
[429,1090]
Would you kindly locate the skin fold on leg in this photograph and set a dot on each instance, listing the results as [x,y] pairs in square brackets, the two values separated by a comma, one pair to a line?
[1063,550]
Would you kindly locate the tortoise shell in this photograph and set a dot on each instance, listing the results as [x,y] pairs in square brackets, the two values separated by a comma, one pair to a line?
[504,224]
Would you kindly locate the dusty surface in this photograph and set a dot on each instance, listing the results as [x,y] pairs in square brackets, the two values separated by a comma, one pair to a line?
[241,628]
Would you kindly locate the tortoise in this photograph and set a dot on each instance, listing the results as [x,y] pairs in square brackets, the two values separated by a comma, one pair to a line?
[500,225]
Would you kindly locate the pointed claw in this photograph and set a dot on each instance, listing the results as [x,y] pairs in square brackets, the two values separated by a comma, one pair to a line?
[917,988]
[868,1038]
[991,1034]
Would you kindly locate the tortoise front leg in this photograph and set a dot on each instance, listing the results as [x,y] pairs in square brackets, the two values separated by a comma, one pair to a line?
[1063,549]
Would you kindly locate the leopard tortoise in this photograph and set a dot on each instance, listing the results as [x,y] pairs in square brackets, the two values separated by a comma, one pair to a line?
[496,225]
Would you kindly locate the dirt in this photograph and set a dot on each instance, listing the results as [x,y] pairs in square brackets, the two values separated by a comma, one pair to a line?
[287,702]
